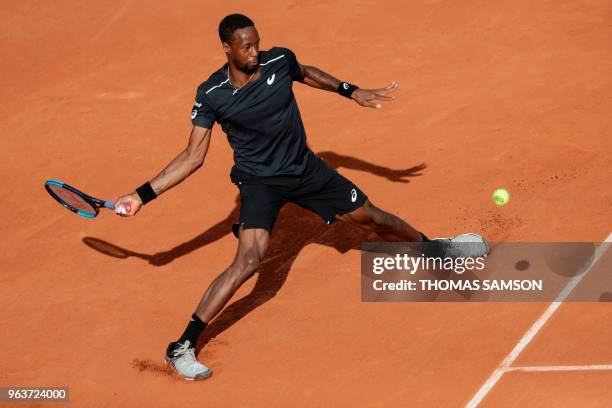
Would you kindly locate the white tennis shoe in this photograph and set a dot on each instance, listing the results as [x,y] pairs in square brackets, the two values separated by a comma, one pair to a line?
[467,245]
[182,358]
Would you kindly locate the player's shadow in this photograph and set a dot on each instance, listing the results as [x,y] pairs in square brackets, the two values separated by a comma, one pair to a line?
[294,229]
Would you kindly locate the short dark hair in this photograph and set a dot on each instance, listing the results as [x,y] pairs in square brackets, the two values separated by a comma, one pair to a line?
[231,23]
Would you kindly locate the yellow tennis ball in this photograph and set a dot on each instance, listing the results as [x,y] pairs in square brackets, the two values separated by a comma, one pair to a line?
[501,196]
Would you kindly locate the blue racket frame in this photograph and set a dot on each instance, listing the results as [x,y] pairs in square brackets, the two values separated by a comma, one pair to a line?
[95,203]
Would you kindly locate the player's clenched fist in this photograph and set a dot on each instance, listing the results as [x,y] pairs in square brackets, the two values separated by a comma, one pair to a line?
[128,205]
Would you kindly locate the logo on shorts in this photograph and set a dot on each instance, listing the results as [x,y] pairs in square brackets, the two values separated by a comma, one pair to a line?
[345,86]
[270,80]
[194,113]
[353,195]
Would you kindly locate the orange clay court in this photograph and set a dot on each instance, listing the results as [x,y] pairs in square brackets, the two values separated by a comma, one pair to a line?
[512,94]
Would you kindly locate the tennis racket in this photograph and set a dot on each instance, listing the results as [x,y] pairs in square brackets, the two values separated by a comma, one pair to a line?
[77,201]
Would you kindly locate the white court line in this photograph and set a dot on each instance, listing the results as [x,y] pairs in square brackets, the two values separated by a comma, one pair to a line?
[596,367]
[533,330]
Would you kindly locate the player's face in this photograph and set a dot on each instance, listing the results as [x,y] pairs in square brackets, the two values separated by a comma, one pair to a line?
[244,49]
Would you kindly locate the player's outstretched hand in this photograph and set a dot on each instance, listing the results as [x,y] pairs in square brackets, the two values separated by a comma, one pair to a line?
[371,98]
[128,205]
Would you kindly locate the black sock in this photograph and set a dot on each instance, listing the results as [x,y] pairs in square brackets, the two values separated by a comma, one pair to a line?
[193,330]
[431,249]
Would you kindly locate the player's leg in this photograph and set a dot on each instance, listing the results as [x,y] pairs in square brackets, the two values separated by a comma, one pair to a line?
[259,207]
[393,228]
[388,226]
[252,246]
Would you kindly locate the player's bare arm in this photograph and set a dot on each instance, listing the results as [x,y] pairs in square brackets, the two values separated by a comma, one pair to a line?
[187,162]
[370,98]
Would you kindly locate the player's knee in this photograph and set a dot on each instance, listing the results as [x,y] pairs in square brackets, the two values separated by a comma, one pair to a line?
[374,218]
[251,262]
[380,221]
[243,268]
[371,218]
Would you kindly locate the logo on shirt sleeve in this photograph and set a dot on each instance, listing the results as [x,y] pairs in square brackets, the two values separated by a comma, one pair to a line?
[197,105]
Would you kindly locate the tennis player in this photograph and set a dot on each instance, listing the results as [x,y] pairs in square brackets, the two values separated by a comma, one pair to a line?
[251,98]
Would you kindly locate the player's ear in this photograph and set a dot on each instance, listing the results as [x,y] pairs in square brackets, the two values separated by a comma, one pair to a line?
[226,47]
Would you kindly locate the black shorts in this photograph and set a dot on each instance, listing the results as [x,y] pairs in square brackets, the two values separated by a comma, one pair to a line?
[320,189]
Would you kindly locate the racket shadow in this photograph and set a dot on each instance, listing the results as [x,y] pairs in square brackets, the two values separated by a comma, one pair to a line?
[106,248]
[214,233]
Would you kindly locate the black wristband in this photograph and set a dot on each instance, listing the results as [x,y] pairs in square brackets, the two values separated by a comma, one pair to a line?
[345,89]
[146,193]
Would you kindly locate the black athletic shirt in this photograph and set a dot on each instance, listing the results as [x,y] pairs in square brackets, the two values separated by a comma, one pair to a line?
[262,119]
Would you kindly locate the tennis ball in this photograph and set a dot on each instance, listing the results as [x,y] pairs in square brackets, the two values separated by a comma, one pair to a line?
[501,196]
